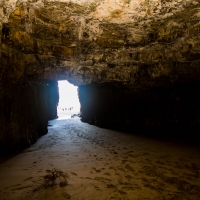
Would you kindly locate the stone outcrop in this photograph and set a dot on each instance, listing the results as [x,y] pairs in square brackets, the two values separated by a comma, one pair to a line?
[24,113]
[139,49]
[113,105]
[103,41]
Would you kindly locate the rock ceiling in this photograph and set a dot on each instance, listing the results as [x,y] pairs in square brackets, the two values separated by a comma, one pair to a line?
[137,42]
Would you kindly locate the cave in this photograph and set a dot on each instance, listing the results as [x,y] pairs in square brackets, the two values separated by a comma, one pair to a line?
[132,70]
[136,65]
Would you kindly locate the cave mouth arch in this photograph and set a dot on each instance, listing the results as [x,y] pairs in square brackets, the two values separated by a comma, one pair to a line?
[68,104]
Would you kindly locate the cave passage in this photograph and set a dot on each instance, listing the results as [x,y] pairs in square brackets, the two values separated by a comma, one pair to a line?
[68,100]
[102,164]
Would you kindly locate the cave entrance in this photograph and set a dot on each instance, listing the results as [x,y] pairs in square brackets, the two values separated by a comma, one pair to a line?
[69,104]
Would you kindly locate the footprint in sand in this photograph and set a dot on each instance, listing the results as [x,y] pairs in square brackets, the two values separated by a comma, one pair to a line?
[128,167]
[128,188]
[66,195]
[124,161]
[96,170]
[12,186]
[129,177]
[124,183]
[121,169]
[107,174]
[101,179]
[111,186]
[73,173]
[28,179]
[97,188]
[121,192]
[159,162]
[21,187]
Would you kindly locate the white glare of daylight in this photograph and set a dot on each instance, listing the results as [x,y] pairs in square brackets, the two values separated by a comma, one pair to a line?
[68,99]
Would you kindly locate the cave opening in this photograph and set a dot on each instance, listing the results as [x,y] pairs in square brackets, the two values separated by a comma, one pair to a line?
[69,104]
[137,67]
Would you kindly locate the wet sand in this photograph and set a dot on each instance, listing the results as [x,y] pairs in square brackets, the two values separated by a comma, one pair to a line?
[102,164]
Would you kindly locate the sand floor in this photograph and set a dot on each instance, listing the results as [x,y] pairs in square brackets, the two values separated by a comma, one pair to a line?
[102,164]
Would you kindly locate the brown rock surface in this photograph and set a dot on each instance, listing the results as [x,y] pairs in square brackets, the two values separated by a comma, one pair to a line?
[132,42]
[143,47]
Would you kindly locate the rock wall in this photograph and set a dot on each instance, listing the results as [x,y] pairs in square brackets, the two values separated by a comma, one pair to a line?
[24,113]
[145,54]
[113,105]
[53,99]
[133,42]
[27,102]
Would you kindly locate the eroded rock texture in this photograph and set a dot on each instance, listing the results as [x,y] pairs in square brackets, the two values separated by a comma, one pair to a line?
[137,43]
[24,113]
[151,49]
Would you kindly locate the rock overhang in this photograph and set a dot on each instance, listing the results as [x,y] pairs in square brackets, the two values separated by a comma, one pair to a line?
[132,42]
[136,63]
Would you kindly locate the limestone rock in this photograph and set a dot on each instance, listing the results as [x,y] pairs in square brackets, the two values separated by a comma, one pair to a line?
[101,41]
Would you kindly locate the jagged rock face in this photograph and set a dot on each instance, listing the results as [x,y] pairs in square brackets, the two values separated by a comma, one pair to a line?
[138,43]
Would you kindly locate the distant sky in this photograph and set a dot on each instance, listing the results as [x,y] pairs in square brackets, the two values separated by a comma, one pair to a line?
[68,95]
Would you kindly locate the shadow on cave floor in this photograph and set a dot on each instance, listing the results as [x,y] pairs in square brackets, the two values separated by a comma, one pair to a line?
[171,133]
[181,134]
[8,155]
[103,163]
[176,135]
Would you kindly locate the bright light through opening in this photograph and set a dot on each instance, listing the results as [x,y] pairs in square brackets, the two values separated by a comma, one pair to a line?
[68,100]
